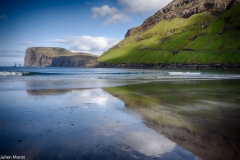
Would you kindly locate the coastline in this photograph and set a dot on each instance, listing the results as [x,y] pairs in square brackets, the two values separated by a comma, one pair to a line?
[97,64]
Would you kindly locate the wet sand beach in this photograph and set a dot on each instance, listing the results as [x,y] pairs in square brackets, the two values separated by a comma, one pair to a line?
[78,124]
[201,116]
[120,114]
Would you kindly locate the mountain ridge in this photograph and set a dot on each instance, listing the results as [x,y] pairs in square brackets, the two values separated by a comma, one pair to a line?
[183,9]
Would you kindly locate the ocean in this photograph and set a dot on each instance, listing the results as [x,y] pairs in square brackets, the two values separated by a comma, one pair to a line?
[102,113]
[59,78]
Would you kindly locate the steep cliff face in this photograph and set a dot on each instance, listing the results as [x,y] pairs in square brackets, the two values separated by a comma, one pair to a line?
[183,9]
[55,57]
[33,58]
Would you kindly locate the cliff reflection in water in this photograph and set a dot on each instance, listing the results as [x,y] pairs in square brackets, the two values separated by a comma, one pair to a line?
[202,116]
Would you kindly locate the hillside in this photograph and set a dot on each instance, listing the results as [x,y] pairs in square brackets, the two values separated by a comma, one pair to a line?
[185,33]
[56,57]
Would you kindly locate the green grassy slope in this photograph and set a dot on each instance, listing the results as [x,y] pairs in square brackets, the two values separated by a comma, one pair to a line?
[200,39]
[57,52]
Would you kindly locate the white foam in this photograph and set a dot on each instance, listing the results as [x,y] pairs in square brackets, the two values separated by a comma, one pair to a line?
[4,73]
[183,73]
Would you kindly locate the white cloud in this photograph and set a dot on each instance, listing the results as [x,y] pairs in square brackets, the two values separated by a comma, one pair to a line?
[115,18]
[140,6]
[134,6]
[88,44]
[113,15]
[60,41]
[104,11]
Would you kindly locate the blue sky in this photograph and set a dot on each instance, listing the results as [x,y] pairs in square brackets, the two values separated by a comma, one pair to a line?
[91,26]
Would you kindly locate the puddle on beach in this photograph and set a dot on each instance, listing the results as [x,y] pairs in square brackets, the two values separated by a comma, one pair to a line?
[78,124]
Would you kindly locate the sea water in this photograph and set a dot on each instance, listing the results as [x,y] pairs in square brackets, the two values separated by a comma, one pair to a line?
[30,78]
[51,77]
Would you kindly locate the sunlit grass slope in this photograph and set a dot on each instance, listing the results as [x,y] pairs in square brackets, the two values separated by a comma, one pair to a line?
[200,39]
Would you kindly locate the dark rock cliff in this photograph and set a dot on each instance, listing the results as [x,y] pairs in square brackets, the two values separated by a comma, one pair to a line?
[183,9]
[35,58]
[67,62]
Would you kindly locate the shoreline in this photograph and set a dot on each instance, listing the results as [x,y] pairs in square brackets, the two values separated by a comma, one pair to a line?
[97,64]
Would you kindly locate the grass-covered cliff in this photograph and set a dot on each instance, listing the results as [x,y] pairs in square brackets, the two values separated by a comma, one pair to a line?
[55,57]
[208,36]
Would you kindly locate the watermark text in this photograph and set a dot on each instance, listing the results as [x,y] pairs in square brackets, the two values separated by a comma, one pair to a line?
[12,157]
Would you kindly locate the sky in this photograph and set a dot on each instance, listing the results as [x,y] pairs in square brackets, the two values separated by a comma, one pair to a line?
[90,26]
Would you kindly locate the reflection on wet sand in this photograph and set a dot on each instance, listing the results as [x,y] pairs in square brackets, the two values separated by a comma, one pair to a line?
[78,124]
[201,116]
[48,91]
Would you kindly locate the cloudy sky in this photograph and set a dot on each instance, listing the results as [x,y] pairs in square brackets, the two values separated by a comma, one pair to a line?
[90,26]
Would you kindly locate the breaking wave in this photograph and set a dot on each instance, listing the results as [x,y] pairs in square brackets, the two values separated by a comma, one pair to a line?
[184,73]
[9,73]
[14,73]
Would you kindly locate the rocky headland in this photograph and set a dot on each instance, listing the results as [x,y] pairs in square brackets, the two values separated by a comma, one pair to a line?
[55,57]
